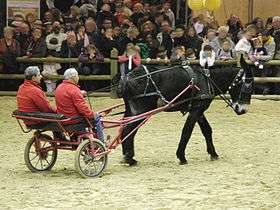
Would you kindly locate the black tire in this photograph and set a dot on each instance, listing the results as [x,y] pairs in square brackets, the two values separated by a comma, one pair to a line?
[38,161]
[86,165]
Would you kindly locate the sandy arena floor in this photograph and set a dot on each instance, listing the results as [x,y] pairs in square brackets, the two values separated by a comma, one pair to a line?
[247,176]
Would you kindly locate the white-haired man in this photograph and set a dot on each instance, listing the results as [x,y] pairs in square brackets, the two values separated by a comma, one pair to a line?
[30,96]
[71,103]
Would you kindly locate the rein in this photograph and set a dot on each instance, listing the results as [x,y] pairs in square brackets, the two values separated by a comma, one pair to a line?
[148,75]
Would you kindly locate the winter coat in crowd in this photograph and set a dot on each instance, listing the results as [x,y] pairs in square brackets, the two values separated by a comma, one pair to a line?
[243,46]
[37,48]
[9,55]
[225,55]
[218,42]
[194,43]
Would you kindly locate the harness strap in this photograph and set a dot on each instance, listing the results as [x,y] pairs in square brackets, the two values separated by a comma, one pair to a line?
[158,92]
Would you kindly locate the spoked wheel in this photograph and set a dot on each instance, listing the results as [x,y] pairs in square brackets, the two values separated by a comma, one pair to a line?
[89,160]
[40,155]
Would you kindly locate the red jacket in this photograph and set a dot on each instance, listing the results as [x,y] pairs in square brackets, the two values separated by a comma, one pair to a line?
[31,98]
[70,101]
[136,59]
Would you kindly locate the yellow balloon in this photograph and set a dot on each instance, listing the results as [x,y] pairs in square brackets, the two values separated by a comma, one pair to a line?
[212,4]
[195,4]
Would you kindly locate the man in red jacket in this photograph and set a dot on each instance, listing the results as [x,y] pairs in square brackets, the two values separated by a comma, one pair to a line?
[71,103]
[30,96]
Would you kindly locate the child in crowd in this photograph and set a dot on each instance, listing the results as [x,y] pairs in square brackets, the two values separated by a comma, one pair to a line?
[258,51]
[190,54]
[162,53]
[50,69]
[90,53]
[225,53]
[131,58]
[207,57]
[178,54]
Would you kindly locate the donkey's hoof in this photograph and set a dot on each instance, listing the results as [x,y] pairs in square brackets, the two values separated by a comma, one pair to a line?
[216,157]
[130,161]
[183,162]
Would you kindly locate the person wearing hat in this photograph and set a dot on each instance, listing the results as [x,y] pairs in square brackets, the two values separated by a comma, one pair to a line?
[30,96]
[71,103]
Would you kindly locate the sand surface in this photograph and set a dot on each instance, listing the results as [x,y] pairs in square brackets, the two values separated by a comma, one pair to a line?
[247,175]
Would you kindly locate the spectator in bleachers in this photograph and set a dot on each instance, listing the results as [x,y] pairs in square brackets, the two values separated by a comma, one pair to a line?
[105,13]
[207,57]
[147,27]
[90,53]
[82,38]
[23,37]
[166,9]
[209,38]
[91,30]
[70,48]
[235,26]
[190,54]
[138,13]
[152,44]
[164,37]
[55,39]
[38,24]
[200,25]
[258,22]
[130,59]
[244,46]
[119,14]
[162,53]
[226,52]
[9,51]
[74,13]
[276,35]
[222,36]
[48,17]
[268,24]
[54,43]
[178,54]
[179,37]
[36,45]
[193,41]
[88,9]
[131,37]
[127,8]
[106,42]
[30,20]
[56,15]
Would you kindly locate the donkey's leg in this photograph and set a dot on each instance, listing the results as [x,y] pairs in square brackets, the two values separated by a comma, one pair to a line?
[186,134]
[207,133]
[128,144]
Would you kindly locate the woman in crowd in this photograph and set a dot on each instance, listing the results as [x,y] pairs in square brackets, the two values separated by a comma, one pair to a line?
[9,51]
[193,41]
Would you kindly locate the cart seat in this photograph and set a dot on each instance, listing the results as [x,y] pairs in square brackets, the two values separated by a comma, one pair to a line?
[43,115]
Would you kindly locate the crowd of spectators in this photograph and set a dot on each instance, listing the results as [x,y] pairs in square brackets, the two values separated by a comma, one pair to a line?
[140,29]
